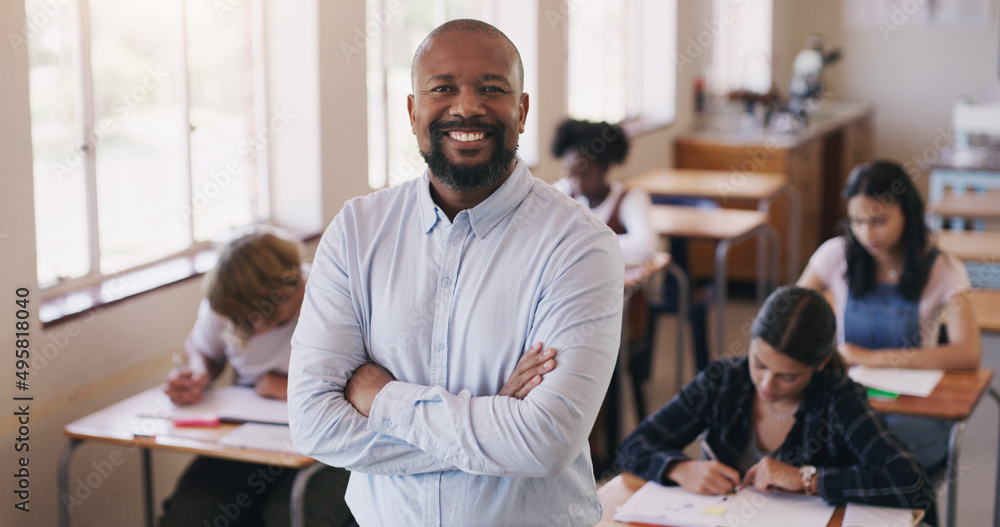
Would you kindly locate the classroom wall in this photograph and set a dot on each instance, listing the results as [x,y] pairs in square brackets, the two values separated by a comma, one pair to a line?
[105,356]
[913,74]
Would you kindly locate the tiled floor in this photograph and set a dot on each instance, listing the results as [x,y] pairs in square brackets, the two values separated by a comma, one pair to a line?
[977,483]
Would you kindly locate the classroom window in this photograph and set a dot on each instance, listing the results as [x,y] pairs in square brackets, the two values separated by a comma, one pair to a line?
[395,29]
[621,56]
[741,54]
[143,115]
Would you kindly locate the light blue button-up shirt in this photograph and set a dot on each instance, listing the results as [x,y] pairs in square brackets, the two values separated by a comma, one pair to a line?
[449,308]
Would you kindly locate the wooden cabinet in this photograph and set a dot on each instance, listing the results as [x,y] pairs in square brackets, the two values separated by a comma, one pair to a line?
[817,162]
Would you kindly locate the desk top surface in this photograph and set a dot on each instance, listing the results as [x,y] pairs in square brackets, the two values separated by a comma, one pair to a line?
[122,423]
[985,204]
[972,246]
[712,184]
[986,304]
[694,222]
[954,398]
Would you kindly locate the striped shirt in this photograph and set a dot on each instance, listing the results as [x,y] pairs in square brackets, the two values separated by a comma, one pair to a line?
[836,430]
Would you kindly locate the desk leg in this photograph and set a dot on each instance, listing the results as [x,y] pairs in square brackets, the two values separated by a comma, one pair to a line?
[996,502]
[63,483]
[684,293]
[794,232]
[951,472]
[147,486]
[721,252]
[299,491]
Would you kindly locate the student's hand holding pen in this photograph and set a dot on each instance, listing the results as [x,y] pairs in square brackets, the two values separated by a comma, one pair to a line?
[704,477]
[185,385]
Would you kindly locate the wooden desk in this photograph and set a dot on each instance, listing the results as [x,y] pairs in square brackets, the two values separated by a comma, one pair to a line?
[816,162]
[729,188]
[966,204]
[123,424]
[725,227]
[986,304]
[955,397]
[617,491]
[971,246]
[962,169]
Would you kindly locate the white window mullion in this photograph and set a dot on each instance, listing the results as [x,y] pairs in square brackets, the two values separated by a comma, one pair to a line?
[89,151]
[258,42]
[185,91]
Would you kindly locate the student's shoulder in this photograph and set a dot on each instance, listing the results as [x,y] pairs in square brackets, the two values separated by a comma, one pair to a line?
[543,200]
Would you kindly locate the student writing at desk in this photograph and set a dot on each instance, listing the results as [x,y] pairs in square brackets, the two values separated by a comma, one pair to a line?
[253,297]
[890,287]
[784,417]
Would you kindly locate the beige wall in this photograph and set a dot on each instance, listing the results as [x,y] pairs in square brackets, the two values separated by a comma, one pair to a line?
[913,77]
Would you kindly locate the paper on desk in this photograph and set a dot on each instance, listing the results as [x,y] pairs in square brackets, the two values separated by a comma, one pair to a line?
[655,504]
[260,436]
[858,515]
[231,403]
[904,381]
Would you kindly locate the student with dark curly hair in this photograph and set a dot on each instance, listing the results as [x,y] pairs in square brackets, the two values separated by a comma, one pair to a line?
[588,151]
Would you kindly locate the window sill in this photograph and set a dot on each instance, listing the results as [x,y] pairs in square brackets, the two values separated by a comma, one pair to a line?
[67,305]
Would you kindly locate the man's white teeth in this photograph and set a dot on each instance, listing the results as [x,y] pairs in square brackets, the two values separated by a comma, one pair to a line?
[462,136]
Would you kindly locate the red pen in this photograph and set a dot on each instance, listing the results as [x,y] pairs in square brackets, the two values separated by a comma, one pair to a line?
[204,420]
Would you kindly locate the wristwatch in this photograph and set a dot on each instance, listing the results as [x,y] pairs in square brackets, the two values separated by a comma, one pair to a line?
[807,472]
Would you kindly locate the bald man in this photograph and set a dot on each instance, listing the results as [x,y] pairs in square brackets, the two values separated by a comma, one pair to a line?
[459,330]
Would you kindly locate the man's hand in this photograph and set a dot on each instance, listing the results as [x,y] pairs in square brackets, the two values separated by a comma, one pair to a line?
[364,385]
[185,386]
[704,477]
[272,386]
[770,474]
[528,372]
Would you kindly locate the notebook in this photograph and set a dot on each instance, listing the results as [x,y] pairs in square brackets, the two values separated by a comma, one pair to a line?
[858,515]
[654,504]
[259,436]
[238,404]
[918,383]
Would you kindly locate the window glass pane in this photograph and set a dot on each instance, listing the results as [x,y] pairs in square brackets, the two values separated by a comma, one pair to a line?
[596,87]
[60,199]
[224,144]
[140,146]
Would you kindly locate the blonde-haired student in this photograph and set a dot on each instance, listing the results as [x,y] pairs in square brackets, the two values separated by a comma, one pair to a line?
[251,307]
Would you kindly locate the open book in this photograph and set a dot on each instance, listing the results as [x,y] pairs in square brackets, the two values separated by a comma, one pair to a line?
[654,504]
[237,404]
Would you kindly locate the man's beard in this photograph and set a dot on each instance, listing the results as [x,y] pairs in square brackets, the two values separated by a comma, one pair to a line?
[483,175]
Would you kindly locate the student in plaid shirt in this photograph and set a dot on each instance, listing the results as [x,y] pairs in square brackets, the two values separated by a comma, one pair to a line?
[784,417]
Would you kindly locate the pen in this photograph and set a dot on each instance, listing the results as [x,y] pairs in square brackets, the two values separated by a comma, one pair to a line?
[179,360]
[708,450]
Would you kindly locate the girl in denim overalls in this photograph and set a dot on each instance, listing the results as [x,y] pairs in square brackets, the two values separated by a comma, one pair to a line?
[890,286]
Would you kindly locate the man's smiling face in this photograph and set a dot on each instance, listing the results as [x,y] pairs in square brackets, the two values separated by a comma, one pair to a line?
[467,109]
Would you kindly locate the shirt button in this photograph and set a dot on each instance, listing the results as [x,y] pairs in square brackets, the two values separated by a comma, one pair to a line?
[447,282]
[439,346]
[402,471]
[387,424]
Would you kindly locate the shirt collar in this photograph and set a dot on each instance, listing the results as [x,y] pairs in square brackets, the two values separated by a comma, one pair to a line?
[486,215]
